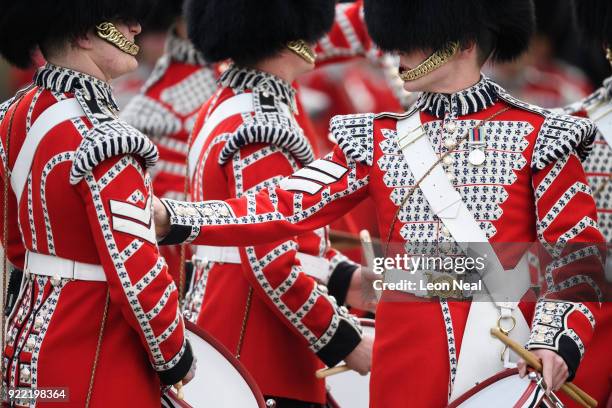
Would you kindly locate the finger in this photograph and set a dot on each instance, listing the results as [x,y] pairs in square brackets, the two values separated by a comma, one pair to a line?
[522,367]
[560,374]
[547,372]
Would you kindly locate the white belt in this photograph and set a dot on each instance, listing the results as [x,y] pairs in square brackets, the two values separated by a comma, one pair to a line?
[61,268]
[480,353]
[314,266]
[46,121]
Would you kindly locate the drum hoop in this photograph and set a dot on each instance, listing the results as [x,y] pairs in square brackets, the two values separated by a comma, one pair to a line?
[217,345]
[471,392]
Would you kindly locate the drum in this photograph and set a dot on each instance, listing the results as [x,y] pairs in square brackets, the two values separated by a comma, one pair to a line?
[221,381]
[507,390]
[349,389]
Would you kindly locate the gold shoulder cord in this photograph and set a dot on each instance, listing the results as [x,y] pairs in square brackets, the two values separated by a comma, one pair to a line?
[107,31]
[435,61]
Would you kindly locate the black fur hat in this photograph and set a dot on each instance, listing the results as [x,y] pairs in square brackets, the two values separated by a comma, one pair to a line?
[28,24]
[594,19]
[503,27]
[248,31]
[163,15]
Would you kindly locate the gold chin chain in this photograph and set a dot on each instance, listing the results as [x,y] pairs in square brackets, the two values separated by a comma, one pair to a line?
[435,61]
[107,31]
[609,54]
[303,50]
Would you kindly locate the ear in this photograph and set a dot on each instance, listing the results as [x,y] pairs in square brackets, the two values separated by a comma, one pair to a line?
[86,41]
[467,51]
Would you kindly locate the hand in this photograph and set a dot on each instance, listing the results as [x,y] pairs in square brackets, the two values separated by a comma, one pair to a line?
[161,218]
[191,373]
[361,294]
[360,358]
[554,369]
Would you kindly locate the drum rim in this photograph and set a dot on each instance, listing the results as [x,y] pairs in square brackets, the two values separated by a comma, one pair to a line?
[217,345]
[472,391]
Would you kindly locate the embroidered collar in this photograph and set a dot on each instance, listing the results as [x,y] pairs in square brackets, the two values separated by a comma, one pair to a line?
[59,79]
[471,100]
[241,79]
[182,50]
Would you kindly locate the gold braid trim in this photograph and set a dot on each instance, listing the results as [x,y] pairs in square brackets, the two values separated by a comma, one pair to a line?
[107,31]
[302,49]
[435,61]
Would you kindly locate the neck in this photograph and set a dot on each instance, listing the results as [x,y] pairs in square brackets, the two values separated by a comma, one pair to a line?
[280,67]
[79,61]
[456,83]
[180,28]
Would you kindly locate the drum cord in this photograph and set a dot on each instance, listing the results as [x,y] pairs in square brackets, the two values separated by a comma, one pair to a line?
[98,347]
[245,319]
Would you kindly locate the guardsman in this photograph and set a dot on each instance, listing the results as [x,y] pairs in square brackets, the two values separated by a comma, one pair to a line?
[97,318]
[467,165]
[269,303]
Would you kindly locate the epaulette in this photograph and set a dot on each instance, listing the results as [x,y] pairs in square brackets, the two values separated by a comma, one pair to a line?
[269,125]
[110,139]
[150,117]
[287,137]
[560,135]
[355,136]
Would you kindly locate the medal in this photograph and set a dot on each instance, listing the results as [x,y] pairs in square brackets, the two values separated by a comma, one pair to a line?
[477,155]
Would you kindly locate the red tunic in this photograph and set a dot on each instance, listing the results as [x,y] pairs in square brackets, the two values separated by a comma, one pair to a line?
[290,317]
[531,187]
[87,174]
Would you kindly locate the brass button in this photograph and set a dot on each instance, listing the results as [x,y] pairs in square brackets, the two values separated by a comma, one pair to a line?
[448,160]
[450,143]
[547,318]
[550,306]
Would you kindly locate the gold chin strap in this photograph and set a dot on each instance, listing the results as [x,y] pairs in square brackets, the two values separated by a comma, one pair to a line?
[609,54]
[435,61]
[302,49]
[109,32]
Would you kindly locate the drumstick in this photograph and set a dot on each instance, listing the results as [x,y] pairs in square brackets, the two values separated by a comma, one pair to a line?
[179,390]
[368,249]
[570,389]
[326,372]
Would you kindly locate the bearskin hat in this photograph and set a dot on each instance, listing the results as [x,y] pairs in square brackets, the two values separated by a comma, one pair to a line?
[248,31]
[502,27]
[163,15]
[28,24]
[594,19]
